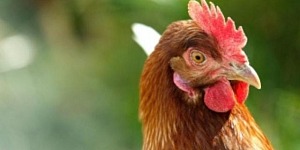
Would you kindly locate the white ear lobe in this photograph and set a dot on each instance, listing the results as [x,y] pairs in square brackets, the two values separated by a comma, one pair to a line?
[145,36]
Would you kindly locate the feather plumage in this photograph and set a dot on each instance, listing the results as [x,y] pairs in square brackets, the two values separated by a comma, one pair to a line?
[174,91]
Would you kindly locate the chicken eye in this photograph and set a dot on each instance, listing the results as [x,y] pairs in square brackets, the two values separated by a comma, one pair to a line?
[197,57]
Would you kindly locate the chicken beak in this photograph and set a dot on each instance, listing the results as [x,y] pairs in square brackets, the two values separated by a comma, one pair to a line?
[244,73]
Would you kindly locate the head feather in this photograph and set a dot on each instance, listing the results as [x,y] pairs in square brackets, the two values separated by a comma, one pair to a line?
[212,21]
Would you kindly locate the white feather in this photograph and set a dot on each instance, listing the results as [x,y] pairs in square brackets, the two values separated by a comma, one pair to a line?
[145,36]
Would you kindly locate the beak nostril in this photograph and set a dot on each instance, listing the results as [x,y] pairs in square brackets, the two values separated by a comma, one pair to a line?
[233,65]
[237,66]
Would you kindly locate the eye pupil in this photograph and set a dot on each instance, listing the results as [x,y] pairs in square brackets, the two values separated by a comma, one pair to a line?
[197,57]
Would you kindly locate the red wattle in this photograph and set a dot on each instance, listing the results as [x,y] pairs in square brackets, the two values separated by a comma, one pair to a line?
[241,90]
[219,97]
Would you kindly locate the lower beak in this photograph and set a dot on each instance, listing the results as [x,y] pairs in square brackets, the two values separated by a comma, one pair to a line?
[244,73]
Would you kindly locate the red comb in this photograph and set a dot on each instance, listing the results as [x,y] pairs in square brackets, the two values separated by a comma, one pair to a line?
[212,21]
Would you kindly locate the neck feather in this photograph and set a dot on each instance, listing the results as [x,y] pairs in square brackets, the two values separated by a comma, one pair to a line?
[169,122]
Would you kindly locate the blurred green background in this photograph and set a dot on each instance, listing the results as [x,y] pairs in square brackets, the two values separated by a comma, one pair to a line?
[70,70]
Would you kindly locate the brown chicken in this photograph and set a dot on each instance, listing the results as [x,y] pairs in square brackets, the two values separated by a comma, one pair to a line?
[194,85]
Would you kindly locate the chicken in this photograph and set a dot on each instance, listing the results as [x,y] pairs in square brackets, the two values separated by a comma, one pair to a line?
[194,85]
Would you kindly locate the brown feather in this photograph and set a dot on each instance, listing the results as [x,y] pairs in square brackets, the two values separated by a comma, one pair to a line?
[171,120]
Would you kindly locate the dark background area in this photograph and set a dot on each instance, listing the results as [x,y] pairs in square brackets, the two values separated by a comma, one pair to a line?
[69,70]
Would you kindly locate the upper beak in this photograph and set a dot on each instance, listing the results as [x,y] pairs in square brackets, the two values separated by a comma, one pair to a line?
[244,73]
